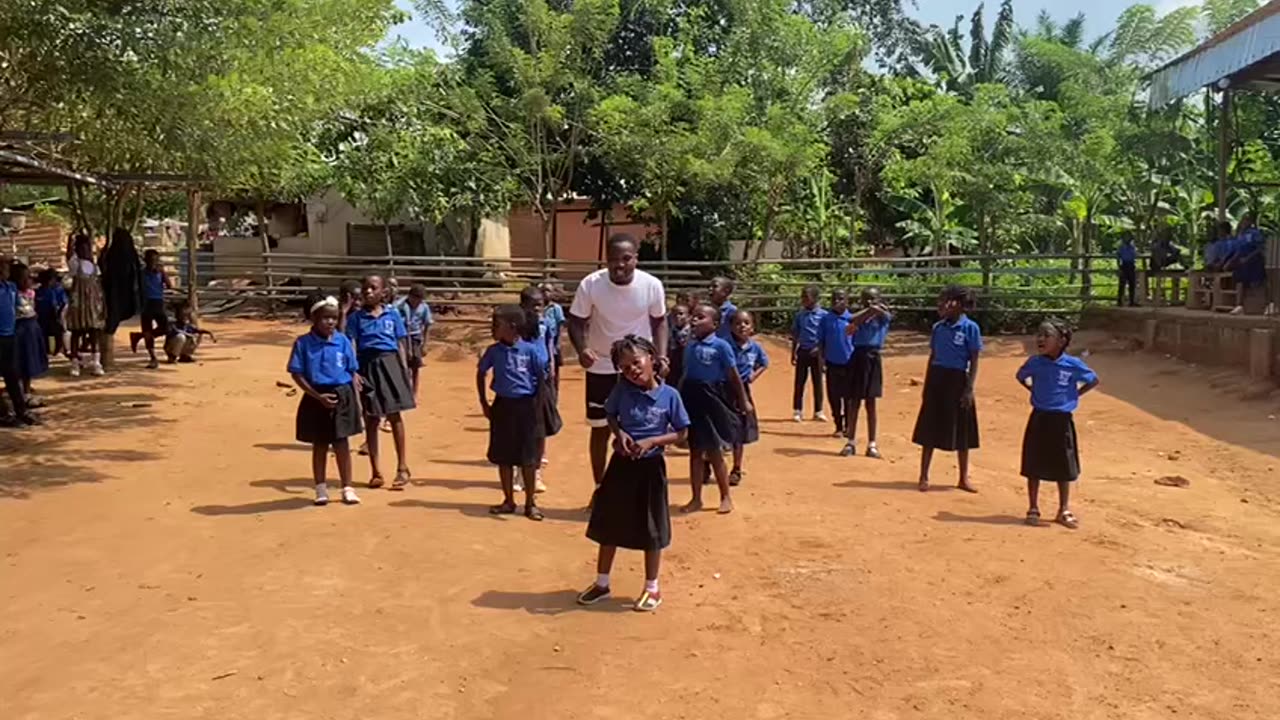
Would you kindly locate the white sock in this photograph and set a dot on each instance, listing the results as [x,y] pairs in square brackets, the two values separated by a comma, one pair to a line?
[651,586]
[602,580]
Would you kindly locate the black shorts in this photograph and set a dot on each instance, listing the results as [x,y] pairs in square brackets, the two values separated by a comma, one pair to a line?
[153,315]
[598,388]
[416,350]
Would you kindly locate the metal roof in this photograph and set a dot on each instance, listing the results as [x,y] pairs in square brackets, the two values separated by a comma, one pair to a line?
[1246,54]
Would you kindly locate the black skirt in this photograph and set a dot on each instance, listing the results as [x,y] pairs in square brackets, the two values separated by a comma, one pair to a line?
[749,428]
[319,425]
[714,424]
[866,374]
[387,388]
[549,410]
[1050,450]
[630,508]
[515,432]
[942,423]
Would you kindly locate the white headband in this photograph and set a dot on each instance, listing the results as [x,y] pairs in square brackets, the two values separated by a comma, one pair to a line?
[330,301]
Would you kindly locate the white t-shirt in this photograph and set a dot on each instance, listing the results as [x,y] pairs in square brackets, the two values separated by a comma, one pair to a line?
[615,311]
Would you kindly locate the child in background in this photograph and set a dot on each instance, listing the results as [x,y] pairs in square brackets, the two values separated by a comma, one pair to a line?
[515,430]
[382,346]
[948,419]
[349,299]
[30,352]
[86,311]
[868,329]
[678,325]
[9,350]
[51,310]
[806,355]
[553,316]
[751,362]
[1050,450]
[154,321]
[835,350]
[184,337]
[417,322]
[629,508]
[538,332]
[323,363]
[720,292]
[710,366]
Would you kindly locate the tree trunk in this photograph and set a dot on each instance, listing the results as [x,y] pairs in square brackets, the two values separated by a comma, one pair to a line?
[193,246]
[260,208]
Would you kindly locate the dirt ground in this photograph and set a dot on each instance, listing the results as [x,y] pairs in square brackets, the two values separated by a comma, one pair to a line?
[162,560]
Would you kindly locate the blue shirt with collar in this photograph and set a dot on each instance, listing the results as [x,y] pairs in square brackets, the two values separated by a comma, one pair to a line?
[8,308]
[872,332]
[1127,254]
[324,361]
[382,333]
[416,320]
[517,369]
[152,284]
[50,301]
[708,360]
[837,346]
[748,357]
[1055,384]
[555,319]
[807,327]
[725,331]
[645,414]
[953,343]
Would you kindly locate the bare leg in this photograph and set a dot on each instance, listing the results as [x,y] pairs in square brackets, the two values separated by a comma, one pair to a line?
[738,451]
[873,421]
[1064,497]
[319,462]
[962,458]
[371,442]
[851,419]
[697,468]
[652,563]
[1033,495]
[604,561]
[415,382]
[397,437]
[530,505]
[342,449]
[506,474]
[599,452]
[722,479]
[926,458]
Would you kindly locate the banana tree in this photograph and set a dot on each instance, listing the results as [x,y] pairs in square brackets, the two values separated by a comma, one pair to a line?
[932,226]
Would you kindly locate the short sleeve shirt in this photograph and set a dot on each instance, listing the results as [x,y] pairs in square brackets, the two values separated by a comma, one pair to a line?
[837,346]
[807,327]
[517,369]
[153,284]
[1127,253]
[953,343]
[748,357]
[725,331]
[323,361]
[614,311]
[1055,384]
[381,333]
[645,414]
[708,360]
[872,332]
[416,320]
[8,308]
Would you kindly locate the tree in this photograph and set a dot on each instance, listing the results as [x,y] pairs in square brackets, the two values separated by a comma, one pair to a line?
[942,55]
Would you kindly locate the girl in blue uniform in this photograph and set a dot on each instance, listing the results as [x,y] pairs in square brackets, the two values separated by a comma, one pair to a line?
[30,348]
[1050,450]
[515,429]
[51,309]
[710,376]
[417,321]
[381,342]
[323,363]
[751,361]
[538,330]
[868,329]
[948,419]
[629,508]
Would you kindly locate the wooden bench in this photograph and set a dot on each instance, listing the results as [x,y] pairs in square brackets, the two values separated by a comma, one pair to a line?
[1162,289]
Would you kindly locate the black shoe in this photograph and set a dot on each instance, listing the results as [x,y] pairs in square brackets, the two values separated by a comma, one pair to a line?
[9,421]
[30,420]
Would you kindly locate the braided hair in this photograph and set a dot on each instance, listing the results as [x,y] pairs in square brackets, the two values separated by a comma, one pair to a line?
[631,344]
[1060,327]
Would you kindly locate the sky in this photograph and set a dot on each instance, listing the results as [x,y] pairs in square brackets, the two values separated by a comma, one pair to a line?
[1100,14]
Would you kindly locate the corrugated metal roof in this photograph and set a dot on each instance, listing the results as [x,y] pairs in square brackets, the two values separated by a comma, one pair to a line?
[1234,51]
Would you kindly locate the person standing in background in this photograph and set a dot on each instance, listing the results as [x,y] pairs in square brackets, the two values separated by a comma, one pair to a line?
[1127,257]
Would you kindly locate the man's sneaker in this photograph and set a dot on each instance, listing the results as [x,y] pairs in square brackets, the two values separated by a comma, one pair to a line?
[322,495]
[798,417]
[593,595]
[96,370]
[649,601]
[820,416]
[349,496]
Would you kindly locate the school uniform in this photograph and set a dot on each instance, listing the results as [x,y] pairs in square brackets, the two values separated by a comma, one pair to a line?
[837,353]
[749,357]
[416,322]
[806,329]
[725,330]
[866,372]
[1050,450]
[8,347]
[386,388]
[329,365]
[515,426]
[548,396]
[153,302]
[678,341]
[630,507]
[30,350]
[1127,256]
[50,302]
[942,423]
[553,315]
[87,309]
[714,424]
[182,340]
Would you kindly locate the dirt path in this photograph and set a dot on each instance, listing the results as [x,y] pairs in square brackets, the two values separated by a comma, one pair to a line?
[165,562]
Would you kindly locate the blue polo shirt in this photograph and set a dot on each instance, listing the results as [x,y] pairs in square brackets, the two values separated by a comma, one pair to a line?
[1127,254]
[871,334]
[645,414]
[416,320]
[837,346]
[708,360]
[382,333]
[553,315]
[749,357]
[323,361]
[807,328]
[153,284]
[49,302]
[517,369]
[8,308]
[1055,384]
[953,343]
[725,331]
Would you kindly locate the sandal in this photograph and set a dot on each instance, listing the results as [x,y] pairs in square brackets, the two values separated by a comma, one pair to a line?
[402,479]
[1067,519]
[735,478]
[506,508]
[376,482]
[1033,517]
[533,513]
[923,486]
[649,601]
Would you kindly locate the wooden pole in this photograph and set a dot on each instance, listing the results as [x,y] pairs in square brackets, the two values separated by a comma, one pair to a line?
[1224,152]
[193,243]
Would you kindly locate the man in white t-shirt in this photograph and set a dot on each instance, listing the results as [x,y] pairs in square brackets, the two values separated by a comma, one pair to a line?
[609,305]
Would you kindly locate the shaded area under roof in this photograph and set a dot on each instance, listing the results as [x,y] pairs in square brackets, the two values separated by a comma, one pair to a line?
[1246,55]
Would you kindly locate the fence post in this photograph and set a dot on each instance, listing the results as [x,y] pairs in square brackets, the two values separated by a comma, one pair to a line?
[986,274]
[1086,278]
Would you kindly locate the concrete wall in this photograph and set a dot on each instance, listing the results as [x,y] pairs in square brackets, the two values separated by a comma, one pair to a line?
[1249,343]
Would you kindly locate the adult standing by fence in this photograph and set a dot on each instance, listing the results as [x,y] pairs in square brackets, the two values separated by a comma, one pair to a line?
[1127,257]
[609,305]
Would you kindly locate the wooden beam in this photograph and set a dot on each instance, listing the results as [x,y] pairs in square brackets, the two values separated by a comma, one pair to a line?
[1224,152]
